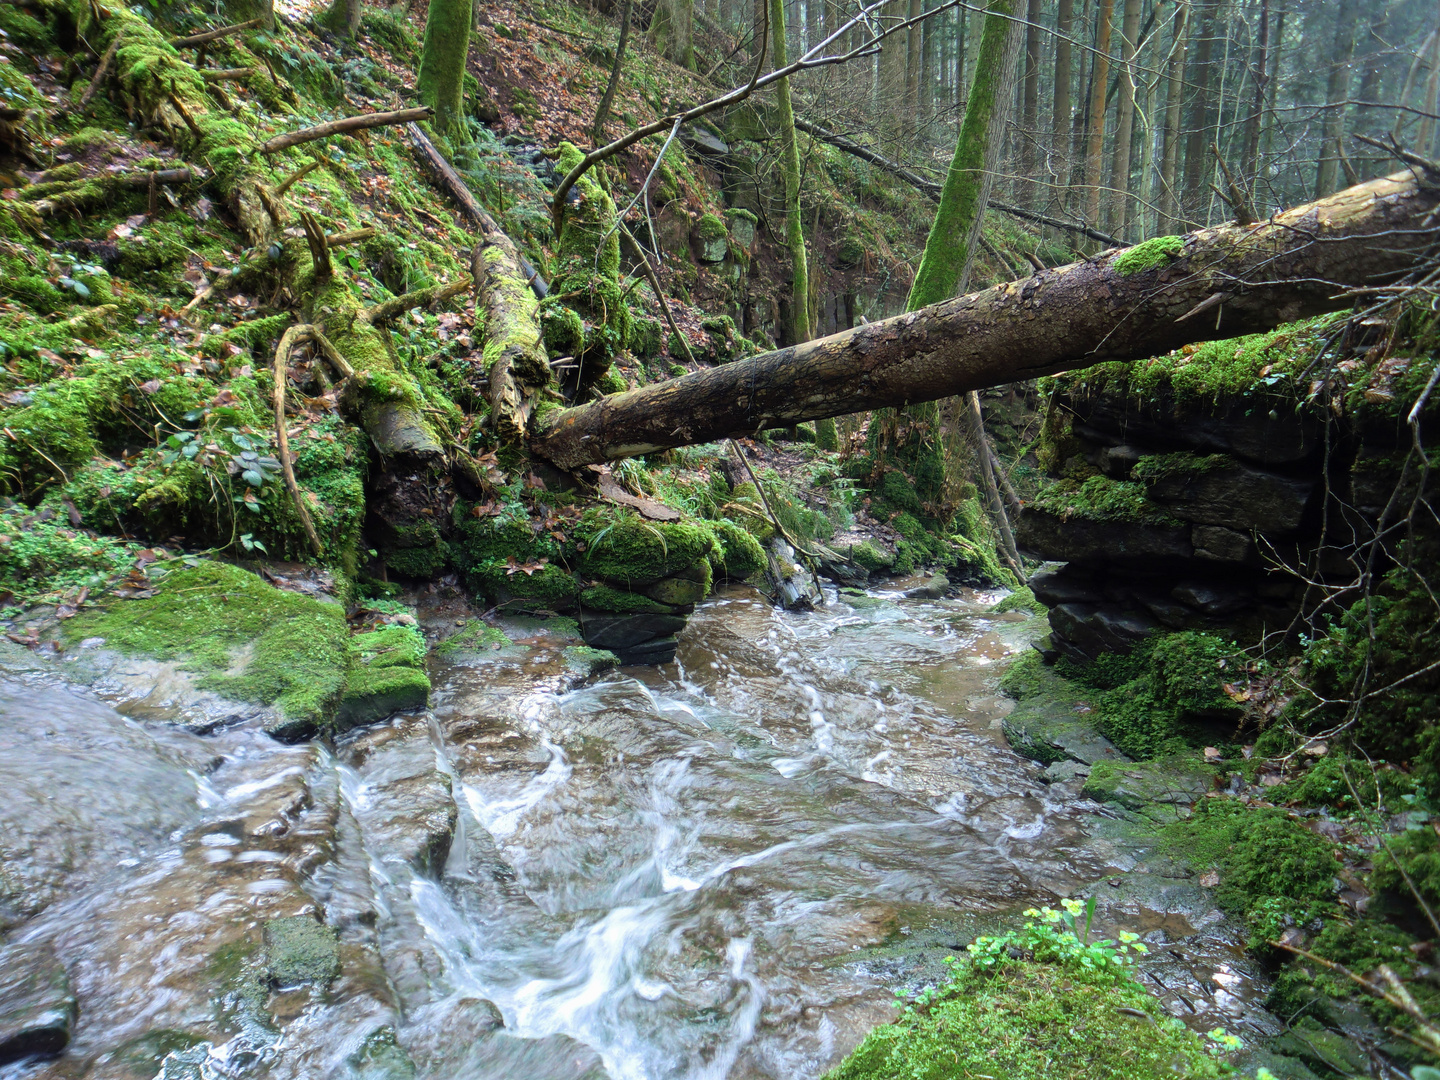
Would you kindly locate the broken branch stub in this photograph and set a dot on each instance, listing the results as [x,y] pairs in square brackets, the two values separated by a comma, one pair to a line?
[343,126]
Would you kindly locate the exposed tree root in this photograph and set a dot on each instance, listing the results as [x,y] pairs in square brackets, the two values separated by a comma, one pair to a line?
[288,340]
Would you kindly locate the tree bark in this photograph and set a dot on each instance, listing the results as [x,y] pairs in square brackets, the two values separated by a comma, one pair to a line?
[790,167]
[1260,75]
[1119,201]
[1060,119]
[441,79]
[1095,133]
[1029,195]
[1197,144]
[602,113]
[1072,317]
[1337,91]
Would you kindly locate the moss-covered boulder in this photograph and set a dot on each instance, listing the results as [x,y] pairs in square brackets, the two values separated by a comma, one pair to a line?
[239,636]
[386,675]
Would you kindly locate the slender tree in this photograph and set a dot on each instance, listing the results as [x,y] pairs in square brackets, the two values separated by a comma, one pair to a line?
[1060,118]
[1030,104]
[441,79]
[602,113]
[1197,142]
[1095,130]
[1337,91]
[790,169]
[672,31]
[1170,152]
[1260,76]
[1119,201]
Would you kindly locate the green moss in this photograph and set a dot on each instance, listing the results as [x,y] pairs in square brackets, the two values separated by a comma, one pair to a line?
[607,598]
[245,639]
[628,550]
[870,557]
[41,553]
[1416,853]
[1021,599]
[300,950]
[551,587]
[740,554]
[710,227]
[589,662]
[1032,1021]
[1155,467]
[1101,499]
[1261,853]
[1335,780]
[476,636]
[1152,254]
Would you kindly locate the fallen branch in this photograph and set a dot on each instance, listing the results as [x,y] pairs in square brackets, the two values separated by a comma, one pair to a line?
[1277,271]
[226,74]
[353,236]
[288,340]
[295,177]
[214,35]
[1430,168]
[340,127]
[436,294]
[654,280]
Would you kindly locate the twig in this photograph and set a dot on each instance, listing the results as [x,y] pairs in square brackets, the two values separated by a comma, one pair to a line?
[809,556]
[340,127]
[340,239]
[214,35]
[319,248]
[288,341]
[1429,167]
[436,294]
[1204,305]
[190,123]
[226,74]
[1244,213]
[654,280]
[101,73]
[295,177]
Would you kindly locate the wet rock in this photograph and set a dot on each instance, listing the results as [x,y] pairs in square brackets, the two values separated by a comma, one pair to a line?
[408,813]
[1322,1049]
[380,1057]
[1142,786]
[933,589]
[654,651]
[1235,496]
[37,1006]
[1062,772]
[1093,629]
[1065,586]
[1215,543]
[837,568]
[588,662]
[1281,1067]
[1117,461]
[1081,540]
[155,1052]
[624,633]
[300,950]
[677,591]
[1212,598]
[859,599]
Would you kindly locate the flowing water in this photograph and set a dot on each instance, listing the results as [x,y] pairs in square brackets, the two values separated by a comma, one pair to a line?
[714,869]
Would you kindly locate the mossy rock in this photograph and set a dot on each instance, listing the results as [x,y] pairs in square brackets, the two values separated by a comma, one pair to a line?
[1165,788]
[245,639]
[631,552]
[386,675]
[1031,1021]
[740,554]
[551,587]
[299,950]
[588,662]
[1021,599]
[609,598]
[474,637]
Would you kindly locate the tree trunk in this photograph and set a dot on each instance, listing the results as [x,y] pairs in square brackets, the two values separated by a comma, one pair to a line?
[1095,135]
[1119,201]
[602,113]
[1061,108]
[1028,194]
[1260,74]
[1197,144]
[954,234]
[441,79]
[672,32]
[790,168]
[1337,90]
[341,18]
[1072,317]
[912,68]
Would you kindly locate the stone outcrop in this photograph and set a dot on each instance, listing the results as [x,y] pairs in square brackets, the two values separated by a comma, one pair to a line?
[1236,513]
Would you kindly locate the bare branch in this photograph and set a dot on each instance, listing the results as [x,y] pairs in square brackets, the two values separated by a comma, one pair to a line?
[214,35]
[340,127]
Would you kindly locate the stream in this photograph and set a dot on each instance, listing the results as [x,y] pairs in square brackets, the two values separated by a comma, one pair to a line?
[718,868]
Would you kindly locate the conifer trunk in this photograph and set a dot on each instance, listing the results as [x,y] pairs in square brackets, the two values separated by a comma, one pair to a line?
[1095,133]
[1119,200]
[1170,151]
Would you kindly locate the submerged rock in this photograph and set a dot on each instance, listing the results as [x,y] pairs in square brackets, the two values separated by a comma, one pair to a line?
[300,950]
[37,1005]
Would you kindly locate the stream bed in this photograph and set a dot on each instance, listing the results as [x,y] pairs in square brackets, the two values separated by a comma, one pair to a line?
[718,868]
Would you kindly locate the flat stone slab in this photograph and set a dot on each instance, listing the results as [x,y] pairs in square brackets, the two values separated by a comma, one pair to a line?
[37,1006]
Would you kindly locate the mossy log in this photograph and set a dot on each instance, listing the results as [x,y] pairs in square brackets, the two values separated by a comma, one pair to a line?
[1296,264]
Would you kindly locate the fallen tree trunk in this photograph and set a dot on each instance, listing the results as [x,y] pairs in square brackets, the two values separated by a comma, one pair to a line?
[1119,305]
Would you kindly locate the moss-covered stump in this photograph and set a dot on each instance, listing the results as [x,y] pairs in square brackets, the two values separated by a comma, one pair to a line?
[1033,1021]
[241,637]
[386,675]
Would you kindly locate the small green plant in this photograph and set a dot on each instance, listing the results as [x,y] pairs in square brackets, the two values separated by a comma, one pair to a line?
[1059,936]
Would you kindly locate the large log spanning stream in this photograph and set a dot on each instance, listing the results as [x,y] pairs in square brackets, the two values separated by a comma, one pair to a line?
[1120,305]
